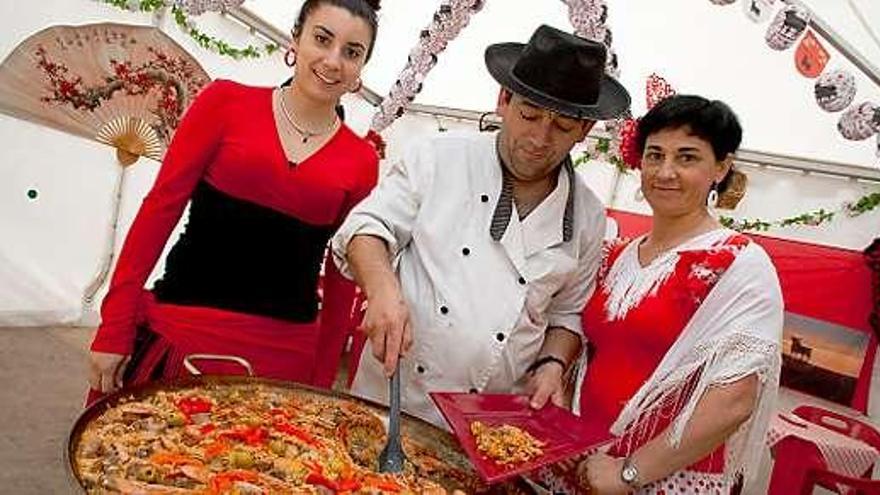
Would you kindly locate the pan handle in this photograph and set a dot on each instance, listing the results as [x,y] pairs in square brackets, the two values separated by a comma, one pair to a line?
[187,362]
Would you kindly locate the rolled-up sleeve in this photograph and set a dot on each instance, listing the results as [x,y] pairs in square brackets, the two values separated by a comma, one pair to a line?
[568,303]
[389,213]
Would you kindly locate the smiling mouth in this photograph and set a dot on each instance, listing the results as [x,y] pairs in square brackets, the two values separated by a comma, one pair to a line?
[326,80]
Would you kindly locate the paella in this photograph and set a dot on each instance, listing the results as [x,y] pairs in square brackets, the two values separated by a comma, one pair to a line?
[253,439]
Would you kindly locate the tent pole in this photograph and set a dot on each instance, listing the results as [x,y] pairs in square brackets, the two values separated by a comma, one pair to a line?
[847,50]
[109,247]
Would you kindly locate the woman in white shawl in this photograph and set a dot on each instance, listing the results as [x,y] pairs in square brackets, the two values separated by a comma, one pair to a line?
[685,326]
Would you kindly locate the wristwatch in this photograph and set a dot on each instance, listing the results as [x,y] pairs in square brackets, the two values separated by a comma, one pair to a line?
[629,473]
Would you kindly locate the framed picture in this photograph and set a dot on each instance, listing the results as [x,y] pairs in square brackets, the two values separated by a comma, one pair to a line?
[822,359]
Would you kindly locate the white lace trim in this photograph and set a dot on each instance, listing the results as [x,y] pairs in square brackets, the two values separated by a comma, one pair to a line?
[713,362]
[627,283]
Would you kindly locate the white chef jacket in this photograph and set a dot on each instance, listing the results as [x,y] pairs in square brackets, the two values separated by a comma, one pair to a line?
[479,308]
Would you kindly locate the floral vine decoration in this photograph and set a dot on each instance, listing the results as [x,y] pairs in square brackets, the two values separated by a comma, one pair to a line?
[864,204]
[450,18]
[183,21]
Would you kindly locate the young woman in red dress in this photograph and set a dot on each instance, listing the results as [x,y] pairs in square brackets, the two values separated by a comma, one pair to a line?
[269,174]
[685,326]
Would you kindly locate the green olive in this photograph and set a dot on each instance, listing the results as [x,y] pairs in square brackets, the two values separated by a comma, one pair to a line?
[176,419]
[278,447]
[241,459]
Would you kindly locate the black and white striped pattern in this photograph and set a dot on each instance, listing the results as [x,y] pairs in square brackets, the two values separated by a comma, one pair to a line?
[504,207]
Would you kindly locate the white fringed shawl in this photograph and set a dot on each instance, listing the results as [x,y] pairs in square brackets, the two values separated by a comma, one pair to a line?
[736,332]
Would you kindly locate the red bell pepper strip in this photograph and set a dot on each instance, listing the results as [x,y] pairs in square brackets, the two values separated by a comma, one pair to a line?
[251,435]
[194,405]
[301,434]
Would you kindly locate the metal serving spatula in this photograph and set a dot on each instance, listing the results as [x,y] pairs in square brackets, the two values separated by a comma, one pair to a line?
[392,458]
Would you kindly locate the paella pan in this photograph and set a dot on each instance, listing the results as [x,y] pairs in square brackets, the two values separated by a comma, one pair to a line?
[245,435]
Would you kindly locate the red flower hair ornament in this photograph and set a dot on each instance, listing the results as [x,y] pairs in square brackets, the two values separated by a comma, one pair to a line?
[657,89]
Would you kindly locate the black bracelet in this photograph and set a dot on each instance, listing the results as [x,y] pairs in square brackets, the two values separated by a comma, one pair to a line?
[544,360]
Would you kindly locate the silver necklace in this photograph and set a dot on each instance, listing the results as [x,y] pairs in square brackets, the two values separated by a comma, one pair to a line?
[306,134]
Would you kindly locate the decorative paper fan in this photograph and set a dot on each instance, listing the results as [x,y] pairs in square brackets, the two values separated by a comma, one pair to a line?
[122,85]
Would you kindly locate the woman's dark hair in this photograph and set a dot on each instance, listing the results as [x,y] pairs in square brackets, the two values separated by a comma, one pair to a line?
[365,9]
[711,120]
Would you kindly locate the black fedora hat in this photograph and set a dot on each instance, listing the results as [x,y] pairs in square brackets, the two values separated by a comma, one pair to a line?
[561,72]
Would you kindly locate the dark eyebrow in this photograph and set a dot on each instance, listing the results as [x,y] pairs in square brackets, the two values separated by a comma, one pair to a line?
[325,30]
[354,44]
[688,149]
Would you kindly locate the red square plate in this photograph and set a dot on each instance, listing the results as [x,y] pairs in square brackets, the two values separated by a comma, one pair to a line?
[564,434]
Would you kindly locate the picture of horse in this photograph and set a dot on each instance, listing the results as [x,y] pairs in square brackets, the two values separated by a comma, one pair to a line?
[821,358]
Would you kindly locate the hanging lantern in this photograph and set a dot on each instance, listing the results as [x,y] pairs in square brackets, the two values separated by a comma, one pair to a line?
[860,121]
[788,25]
[835,90]
[810,58]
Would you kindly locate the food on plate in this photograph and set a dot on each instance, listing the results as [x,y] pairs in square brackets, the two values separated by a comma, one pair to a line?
[506,444]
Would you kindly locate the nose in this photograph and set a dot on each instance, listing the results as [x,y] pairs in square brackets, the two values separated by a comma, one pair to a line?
[333,59]
[666,168]
[541,135]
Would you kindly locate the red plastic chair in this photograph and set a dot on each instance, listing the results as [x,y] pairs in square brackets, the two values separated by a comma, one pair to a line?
[840,423]
[836,482]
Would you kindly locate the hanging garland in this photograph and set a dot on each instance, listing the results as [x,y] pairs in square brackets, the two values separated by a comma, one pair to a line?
[587,16]
[865,204]
[589,20]
[448,21]
[183,21]
[835,89]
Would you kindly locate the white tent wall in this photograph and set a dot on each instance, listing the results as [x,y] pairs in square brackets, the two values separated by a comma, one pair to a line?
[52,245]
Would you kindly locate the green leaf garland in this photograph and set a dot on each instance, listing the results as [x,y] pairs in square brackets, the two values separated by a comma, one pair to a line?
[206,41]
[815,218]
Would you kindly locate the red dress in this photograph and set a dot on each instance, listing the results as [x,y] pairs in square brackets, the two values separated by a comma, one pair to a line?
[628,341]
[242,279]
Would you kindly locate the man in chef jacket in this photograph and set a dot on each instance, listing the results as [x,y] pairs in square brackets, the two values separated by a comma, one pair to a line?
[477,251]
